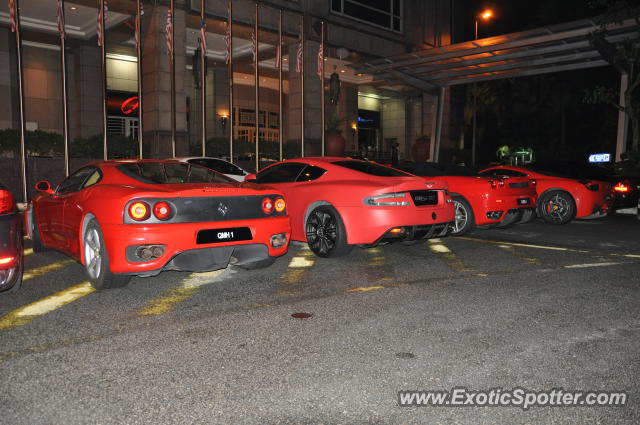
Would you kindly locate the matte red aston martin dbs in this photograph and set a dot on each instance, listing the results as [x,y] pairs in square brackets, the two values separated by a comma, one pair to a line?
[336,203]
[481,201]
[560,199]
[124,218]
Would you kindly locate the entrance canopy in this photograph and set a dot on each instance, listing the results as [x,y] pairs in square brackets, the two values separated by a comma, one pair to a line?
[557,48]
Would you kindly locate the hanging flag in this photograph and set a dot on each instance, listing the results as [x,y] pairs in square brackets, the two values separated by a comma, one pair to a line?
[169,34]
[254,46]
[299,52]
[60,13]
[203,37]
[320,61]
[138,28]
[227,38]
[12,15]
[102,13]
[278,55]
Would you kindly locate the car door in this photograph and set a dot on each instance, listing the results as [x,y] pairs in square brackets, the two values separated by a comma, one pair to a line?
[71,195]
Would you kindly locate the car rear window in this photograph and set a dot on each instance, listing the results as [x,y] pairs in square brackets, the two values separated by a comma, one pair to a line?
[171,173]
[371,168]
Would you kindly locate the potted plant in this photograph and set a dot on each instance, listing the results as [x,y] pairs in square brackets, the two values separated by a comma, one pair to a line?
[334,141]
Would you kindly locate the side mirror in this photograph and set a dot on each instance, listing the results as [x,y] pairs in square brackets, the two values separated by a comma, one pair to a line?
[251,178]
[44,186]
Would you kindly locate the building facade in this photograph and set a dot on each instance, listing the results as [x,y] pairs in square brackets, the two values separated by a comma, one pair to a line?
[372,114]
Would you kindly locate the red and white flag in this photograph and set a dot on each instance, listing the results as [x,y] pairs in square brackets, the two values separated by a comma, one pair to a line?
[13,15]
[203,37]
[138,28]
[320,62]
[254,46]
[169,33]
[299,53]
[102,15]
[227,38]
[60,13]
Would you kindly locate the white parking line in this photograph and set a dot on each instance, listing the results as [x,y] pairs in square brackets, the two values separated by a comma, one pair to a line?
[583,266]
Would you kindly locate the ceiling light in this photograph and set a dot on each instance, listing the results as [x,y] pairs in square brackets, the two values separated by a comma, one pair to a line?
[73,8]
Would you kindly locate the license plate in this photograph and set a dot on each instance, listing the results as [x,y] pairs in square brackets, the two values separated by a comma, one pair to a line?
[232,234]
[524,201]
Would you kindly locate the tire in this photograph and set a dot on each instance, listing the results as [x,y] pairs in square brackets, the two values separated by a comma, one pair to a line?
[326,235]
[36,240]
[258,264]
[557,207]
[96,260]
[464,219]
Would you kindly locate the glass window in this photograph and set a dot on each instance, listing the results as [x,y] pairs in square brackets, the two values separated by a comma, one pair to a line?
[281,173]
[311,173]
[383,13]
[75,181]
[170,172]
[372,169]
[502,172]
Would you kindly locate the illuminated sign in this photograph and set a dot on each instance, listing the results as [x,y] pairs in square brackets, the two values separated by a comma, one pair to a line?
[129,105]
[600,157]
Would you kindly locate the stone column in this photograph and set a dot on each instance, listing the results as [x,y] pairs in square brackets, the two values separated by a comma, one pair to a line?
[312,100]
[156,79]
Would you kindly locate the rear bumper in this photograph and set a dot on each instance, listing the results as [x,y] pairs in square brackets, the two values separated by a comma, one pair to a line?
[181,252]
[592,204]
[369,225]
[498,209]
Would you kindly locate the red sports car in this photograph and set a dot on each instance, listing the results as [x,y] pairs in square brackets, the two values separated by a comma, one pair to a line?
[124,218]
[481,201]
[11,264]
[336,203]
[560,199]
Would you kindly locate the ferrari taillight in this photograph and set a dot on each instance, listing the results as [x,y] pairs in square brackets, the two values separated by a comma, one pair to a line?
[267,205]
[7,203]
[280,205]
[162,210]
[139,211]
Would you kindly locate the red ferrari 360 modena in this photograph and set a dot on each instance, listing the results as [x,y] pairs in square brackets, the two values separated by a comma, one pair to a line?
[481,201]
[560,199]
[336,203]
[124,218]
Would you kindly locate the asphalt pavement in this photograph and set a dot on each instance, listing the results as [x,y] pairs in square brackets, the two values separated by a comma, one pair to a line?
[534,306]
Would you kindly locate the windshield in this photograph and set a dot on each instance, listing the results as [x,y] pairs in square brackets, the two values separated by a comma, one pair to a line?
[171,173]
[432,169]
[371,168]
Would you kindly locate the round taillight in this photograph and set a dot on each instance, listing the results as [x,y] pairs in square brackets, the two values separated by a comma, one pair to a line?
[267,205]
[280,205]
[139,211]
[162,210]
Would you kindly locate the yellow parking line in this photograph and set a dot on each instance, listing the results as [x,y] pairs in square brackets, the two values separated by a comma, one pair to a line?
[39,271]
[27,251]
[177,294]
[516,253]
[298,268]
[436,246]
[45,305]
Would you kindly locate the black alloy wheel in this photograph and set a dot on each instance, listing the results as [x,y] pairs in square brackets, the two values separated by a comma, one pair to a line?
[326,235]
